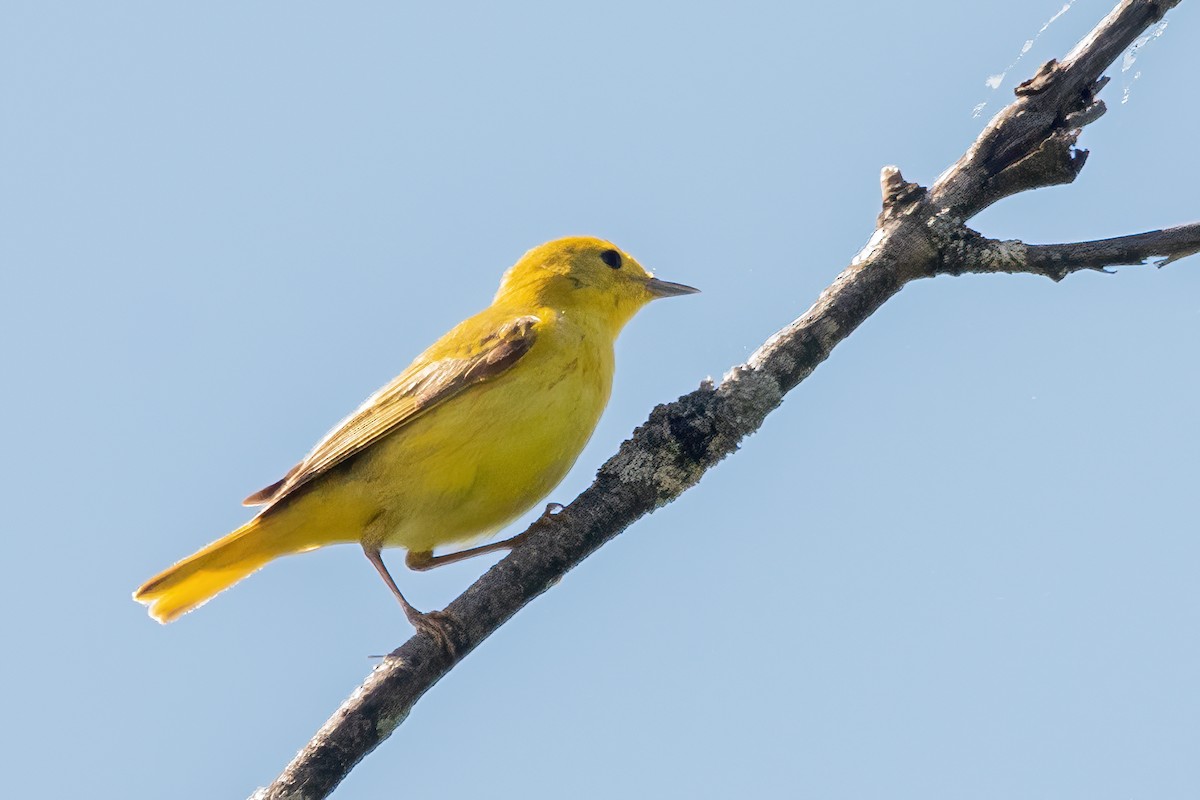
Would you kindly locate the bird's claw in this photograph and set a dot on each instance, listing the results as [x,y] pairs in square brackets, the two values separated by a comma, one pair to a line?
[437,625]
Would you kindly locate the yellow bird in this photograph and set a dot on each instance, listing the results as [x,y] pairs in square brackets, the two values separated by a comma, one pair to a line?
[473,433]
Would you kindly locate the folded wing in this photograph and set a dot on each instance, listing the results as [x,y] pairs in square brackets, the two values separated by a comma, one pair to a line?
[427,383]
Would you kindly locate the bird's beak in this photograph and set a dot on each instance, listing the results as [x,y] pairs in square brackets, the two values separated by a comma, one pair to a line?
[667,288]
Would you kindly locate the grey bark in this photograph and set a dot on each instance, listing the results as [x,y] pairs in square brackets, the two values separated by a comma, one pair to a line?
[920,233]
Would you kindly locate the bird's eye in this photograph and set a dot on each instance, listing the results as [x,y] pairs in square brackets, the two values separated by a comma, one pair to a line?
[612,258]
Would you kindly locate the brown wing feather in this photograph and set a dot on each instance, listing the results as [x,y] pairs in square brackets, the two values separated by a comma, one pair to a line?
[265,494]
[413,392]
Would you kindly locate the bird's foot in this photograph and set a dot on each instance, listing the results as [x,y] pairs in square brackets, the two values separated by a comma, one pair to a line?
[437,625]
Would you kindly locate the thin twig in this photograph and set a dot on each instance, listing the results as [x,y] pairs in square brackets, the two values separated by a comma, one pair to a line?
[973,253]
[1167,245]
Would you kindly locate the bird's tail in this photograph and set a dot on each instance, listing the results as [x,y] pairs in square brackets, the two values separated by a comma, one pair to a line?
[196,579]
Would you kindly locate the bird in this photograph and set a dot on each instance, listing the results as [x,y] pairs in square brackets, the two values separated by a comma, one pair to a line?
[472,434]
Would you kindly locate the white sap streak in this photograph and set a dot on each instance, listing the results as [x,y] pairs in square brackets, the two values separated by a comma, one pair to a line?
[1131,57]
[993,82]
[1125,95]
[1050,21]
[1131,54]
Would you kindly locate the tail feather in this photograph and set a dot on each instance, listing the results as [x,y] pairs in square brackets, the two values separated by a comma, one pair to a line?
[196,579]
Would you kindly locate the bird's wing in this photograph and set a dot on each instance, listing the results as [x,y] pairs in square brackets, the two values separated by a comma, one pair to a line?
[428,382]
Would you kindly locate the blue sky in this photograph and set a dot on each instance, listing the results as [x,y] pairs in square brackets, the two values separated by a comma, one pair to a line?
[959,561]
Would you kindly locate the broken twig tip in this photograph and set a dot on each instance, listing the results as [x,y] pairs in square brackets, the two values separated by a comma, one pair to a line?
[1038,82]
[890,177]
[895,189]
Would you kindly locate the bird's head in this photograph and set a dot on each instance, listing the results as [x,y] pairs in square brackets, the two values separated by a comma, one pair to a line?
[584,275]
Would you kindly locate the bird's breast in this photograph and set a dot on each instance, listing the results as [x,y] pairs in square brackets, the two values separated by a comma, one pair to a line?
[472,465]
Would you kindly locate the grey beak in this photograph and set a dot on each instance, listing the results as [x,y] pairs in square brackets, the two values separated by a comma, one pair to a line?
[667,288]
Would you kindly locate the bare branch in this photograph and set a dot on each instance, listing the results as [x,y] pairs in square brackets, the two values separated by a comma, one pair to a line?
[974,253]
[920,233]
[1045,121]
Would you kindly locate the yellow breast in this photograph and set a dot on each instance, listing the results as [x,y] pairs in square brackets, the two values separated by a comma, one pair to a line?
[472,465]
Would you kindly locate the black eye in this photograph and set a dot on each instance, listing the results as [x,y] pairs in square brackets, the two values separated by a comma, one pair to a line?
[612,258]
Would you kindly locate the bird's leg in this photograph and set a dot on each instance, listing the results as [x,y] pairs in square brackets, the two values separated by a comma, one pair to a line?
[427,560]
[432,624]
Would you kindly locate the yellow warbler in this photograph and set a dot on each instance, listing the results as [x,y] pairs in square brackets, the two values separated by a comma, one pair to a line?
[473,433]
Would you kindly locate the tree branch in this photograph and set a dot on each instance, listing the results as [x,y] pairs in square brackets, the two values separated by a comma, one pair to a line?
[1030,143]
[920,233]
[976,253]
